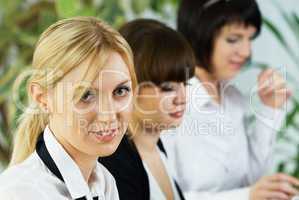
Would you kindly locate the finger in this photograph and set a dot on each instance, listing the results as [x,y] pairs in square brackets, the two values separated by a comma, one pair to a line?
[275,82]
[292,180]
[264,79]
[284,187]
[265,74]
[289,93]
[270,74]
[279,89]
[284,92]
[274,195]
[283,177]
[278,84]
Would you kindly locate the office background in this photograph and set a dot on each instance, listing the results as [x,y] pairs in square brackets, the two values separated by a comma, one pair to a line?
[21,22]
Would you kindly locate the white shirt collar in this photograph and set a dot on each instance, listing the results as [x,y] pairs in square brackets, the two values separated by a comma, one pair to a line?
[73,178]
[198,93]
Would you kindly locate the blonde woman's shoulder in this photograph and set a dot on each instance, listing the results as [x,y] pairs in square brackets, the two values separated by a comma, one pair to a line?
[24,180]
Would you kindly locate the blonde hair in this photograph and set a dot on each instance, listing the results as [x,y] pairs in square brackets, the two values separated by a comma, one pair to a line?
[61,48]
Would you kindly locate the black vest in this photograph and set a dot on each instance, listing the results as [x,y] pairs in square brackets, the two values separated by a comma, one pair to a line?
[127,168]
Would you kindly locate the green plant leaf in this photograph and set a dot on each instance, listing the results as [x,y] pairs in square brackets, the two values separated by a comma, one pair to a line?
[278,35]
[67,8]
[110,11]
[140,6]
[291,21]
[275,31]
[296,17]
[87,11]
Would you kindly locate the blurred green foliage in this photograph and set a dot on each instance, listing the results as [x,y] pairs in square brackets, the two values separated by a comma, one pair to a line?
[292,21]
[21,23]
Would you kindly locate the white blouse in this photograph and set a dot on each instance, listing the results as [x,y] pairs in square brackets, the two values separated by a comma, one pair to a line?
[32,179]
[215,153]
[156,192]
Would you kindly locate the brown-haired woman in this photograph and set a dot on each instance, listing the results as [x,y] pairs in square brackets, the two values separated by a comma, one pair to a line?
[163,63]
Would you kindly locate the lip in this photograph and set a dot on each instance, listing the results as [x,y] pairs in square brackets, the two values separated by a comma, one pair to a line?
[104,136]
[177,115]
[237,65]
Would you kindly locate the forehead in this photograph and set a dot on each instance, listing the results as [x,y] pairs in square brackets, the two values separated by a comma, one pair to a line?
[114,71]
[239,29]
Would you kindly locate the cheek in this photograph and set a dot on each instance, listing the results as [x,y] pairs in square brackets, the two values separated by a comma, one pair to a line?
[83,119]
[166,103]
[125,115]
[222,53]
[125,104]
[123,111]
[146,105]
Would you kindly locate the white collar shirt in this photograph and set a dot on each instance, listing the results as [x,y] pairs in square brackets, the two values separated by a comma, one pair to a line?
[156,192]
[214,150]
[32,179]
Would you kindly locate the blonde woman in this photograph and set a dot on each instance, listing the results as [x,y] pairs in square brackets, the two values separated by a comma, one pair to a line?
[80,99]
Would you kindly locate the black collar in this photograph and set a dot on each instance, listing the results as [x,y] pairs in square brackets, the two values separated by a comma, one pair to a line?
[45,156]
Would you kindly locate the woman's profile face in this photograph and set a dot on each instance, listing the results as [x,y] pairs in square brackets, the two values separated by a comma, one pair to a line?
[161,107]
[232,49]
[96,124]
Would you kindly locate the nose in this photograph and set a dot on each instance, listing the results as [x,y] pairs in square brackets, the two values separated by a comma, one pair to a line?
[245,49]
[180,95]
[106,109]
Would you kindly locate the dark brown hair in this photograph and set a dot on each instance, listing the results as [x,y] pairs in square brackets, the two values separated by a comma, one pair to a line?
[200,21]
[161,54]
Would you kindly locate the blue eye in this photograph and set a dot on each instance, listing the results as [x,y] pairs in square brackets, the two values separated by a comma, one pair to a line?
[122,91]
[87,96]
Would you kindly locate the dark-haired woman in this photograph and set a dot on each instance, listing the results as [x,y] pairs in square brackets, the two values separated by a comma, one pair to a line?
[163,61]
[215,154]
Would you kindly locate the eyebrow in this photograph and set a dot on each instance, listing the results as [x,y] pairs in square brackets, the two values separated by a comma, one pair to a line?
[236,34]
[240,35]
[121,83]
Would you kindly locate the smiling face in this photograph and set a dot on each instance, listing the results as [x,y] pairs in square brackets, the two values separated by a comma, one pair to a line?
[162,107]
[232,49]
[96,123]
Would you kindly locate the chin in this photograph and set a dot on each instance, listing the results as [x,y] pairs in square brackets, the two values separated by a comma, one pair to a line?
[230,76]
[173,124]
[107,150]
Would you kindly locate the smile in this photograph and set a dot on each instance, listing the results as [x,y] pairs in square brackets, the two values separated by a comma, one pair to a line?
[105,135]
[177,114]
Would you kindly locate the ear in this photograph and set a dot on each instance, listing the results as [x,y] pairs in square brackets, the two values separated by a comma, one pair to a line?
[40,96]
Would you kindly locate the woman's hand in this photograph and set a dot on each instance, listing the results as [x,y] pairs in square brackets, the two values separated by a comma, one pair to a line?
[278,187]
[272,88]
